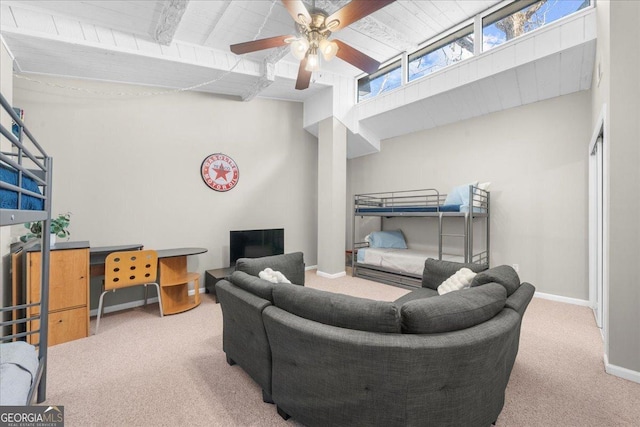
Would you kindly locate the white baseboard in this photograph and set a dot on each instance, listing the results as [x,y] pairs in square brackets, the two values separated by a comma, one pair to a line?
[331,276]
[567,300]
[621,372]
[311,267]
[132,304]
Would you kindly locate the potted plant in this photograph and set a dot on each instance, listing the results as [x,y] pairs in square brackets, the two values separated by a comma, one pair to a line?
[59,228]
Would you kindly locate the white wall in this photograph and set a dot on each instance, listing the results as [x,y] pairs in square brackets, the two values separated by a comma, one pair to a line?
[624,187]
[535,156]
[128,168]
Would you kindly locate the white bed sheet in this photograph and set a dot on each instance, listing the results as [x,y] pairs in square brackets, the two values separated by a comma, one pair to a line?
[402,260]
[18,367]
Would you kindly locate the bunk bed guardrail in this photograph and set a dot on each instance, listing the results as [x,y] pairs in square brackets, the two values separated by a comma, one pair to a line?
[30,166]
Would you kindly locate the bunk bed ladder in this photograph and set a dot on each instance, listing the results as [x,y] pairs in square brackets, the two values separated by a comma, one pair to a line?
[465,236]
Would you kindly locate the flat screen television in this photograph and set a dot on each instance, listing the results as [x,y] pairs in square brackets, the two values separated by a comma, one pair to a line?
[255,243]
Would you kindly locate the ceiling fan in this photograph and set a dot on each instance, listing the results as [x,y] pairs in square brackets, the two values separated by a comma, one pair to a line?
[314,27]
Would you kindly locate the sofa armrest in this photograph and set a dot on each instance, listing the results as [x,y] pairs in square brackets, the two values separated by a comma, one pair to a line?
[519,300]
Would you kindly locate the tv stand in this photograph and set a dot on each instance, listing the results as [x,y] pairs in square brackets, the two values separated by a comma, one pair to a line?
[211,277]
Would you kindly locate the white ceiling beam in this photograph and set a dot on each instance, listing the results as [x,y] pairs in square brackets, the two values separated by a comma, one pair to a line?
[268,75]
[169,20]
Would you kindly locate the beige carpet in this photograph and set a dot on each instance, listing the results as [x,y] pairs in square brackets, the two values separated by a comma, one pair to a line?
[143,370]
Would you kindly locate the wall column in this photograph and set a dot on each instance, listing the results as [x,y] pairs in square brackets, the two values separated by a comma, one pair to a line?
[332,193]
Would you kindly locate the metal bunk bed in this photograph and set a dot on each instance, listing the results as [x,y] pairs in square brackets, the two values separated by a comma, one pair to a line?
[25,196]
[424,203]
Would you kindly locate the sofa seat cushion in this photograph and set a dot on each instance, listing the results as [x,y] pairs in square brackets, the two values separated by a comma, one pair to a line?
[254,285]
[417,294]
[291,265]
[502,274]
[339,310]
[453,311]
[436,271]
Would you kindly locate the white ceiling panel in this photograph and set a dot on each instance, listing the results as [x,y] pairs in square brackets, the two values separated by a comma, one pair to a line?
[134,16]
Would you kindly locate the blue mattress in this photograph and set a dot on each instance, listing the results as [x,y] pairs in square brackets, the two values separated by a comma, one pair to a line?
[9,199]
[414,209]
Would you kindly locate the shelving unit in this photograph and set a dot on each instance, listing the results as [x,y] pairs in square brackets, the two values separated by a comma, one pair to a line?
[175,279]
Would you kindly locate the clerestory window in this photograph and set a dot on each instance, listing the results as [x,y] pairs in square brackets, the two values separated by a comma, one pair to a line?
[523,16]
[386,78]
[446,51]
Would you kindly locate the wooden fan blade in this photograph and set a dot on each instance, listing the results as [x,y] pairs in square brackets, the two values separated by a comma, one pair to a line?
[297,8]
[304,76]
[356,58]
[355,11]
[255,45]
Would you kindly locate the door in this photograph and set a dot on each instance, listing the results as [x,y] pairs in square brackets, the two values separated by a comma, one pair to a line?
[596,244]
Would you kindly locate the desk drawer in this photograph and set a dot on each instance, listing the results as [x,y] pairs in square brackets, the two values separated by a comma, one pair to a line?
[64,325]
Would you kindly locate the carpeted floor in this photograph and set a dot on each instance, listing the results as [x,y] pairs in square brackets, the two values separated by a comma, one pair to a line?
[143,370]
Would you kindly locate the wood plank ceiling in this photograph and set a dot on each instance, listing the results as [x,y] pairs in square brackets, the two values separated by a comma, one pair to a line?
[126,41]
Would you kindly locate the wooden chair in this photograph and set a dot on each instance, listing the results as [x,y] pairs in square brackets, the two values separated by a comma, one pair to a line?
[126,269]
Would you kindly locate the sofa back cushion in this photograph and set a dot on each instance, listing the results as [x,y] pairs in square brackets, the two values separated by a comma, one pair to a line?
[453,311]
[252,284]
[291,265]
[339,310]
[436,271]
[502,274]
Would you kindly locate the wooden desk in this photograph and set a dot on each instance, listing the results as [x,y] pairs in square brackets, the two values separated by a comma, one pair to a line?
[175,279]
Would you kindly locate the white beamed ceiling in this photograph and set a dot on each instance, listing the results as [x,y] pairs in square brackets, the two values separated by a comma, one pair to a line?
[53,37]
[115,41]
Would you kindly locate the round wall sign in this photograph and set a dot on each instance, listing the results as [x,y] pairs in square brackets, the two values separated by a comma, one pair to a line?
[220,172]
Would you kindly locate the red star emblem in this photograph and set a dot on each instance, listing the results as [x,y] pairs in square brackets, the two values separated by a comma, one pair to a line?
[220,172]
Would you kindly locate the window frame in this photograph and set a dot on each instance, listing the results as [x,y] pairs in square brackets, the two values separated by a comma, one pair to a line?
[388,67]
[464,29]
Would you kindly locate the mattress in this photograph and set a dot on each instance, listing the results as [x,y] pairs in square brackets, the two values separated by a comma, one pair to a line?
[413,209]
[9,199]
[409,261]
[18,369]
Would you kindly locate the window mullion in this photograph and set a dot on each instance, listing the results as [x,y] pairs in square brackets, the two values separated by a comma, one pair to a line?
[478,42]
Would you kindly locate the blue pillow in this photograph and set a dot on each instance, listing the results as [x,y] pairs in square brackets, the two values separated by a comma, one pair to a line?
[387,239]
[459,195]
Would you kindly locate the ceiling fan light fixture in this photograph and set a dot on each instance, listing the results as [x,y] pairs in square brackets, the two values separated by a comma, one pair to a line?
[299,47]
[328,49]
[313,60]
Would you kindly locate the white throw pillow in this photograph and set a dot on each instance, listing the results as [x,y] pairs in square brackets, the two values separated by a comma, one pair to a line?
[461,279]
[273,276]
[476,198]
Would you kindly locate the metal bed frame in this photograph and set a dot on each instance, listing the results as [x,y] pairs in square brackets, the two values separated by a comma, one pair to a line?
[41,173]
[427,203]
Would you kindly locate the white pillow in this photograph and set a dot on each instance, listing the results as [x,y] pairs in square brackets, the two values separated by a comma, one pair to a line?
[273,276]
[461,279]
[482,186]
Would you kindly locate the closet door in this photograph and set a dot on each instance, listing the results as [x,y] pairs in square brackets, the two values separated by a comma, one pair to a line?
[596,233]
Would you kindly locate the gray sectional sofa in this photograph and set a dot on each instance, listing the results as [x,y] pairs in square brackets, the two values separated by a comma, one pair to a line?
[332,359]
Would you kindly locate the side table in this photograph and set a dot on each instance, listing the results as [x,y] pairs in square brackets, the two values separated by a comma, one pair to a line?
[211,277]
